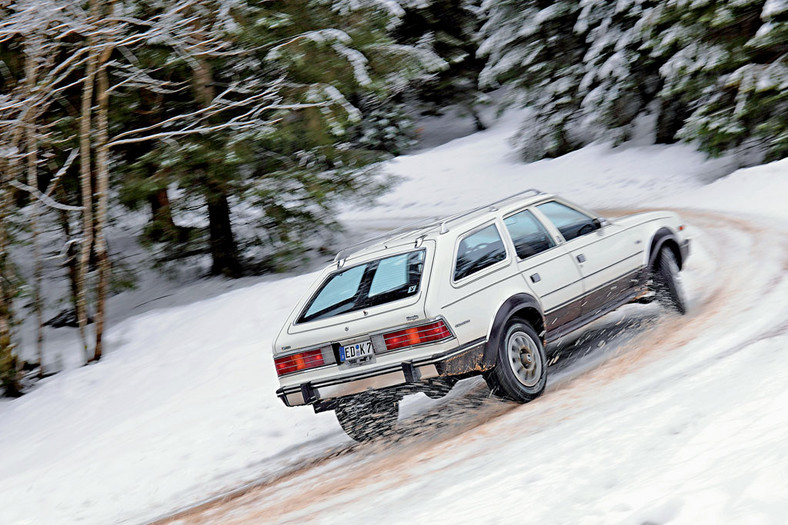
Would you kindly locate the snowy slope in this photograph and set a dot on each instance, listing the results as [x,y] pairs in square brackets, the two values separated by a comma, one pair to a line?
[183,405]
[483,167]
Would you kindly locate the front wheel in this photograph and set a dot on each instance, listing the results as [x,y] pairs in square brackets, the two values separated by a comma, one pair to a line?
[368,416]
[667,282]
[520,372]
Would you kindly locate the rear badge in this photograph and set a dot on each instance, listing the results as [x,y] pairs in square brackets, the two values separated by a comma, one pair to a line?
[347,329]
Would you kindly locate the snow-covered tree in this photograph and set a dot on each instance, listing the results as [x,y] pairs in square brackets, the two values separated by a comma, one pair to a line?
[330,64]
[726,63]
[620,79]
[32,33]
[532,47]
[452,29]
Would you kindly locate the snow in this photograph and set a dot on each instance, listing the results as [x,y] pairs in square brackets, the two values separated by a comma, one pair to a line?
[458,175]
[761,190]
[772,8]
[183,404]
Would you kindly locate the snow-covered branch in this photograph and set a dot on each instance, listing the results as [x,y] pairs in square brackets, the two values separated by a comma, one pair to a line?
[48,201]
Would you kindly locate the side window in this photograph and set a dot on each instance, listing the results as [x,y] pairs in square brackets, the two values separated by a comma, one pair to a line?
[570,222]
[478,251]
[528,234]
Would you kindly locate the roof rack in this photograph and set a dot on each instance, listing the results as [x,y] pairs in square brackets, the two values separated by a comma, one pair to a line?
[445,222]
[422,225]
[410,227]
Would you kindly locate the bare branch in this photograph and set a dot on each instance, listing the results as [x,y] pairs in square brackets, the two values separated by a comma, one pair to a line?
[47,201]
[53,183]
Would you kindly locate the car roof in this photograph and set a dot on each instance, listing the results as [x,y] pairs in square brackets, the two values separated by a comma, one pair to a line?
[431,228]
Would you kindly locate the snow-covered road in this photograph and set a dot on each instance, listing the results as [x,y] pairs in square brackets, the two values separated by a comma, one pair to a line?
[647,418]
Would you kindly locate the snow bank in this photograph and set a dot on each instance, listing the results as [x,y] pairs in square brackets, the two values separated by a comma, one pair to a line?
[761,190]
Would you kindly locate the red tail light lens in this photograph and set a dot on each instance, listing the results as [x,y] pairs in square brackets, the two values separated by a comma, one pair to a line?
[428,333]
[296,362]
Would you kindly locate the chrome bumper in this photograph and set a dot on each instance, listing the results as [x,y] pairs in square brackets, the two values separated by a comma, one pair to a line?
[458,361]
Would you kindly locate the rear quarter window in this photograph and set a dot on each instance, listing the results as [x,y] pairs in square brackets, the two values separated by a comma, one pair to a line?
[479,250]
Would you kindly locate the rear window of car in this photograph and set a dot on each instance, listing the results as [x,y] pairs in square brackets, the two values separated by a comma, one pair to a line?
[479,250]
[370,284]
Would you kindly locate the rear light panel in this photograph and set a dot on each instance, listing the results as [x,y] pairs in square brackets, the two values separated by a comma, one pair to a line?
[417,335]
[432,332]
[297,362]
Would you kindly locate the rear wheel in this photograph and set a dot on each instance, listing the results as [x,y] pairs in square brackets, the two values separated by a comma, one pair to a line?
[520,372]
[667,282]
[368,416]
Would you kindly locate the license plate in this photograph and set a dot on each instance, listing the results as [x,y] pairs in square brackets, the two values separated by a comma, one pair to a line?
[355,352]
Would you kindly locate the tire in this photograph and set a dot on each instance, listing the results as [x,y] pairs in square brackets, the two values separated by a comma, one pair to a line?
[368,416]
[667,283]
[520,372]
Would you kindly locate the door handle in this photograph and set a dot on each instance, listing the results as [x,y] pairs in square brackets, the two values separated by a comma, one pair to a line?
[535,278]
[581,258]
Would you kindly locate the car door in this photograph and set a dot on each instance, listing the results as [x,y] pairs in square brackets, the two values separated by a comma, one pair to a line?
[608,258]
[547,267]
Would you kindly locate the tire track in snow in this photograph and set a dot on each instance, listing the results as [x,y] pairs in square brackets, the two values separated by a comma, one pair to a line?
[438,438]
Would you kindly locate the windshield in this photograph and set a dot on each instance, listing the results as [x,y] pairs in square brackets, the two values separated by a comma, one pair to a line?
[369,284]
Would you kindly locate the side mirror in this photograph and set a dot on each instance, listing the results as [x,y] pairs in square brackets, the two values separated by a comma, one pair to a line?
[600,222]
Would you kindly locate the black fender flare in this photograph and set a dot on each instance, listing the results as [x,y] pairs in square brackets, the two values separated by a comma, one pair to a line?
[664,237]
[517,303]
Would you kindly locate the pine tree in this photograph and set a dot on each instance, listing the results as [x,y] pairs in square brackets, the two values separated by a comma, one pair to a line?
[532,47]
[726,65]
[620,79]
[328,63]
[452,29]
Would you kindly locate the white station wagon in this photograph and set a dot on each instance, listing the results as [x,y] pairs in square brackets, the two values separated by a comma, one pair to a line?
[481,292]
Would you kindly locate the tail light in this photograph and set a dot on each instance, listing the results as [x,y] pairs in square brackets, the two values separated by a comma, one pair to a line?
[417,335]
[297,362]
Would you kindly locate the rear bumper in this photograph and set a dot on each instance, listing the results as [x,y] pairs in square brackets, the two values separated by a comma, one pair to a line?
[463,360]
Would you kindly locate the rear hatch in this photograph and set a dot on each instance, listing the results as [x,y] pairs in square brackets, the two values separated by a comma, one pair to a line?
[363,297]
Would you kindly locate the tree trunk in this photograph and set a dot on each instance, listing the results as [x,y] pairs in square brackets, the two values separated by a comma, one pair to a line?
[477,120]
[224,252]
[32,181]
[102,198]
[162,223]
[86,184]
[670,120]
[8,362]
[71,258]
